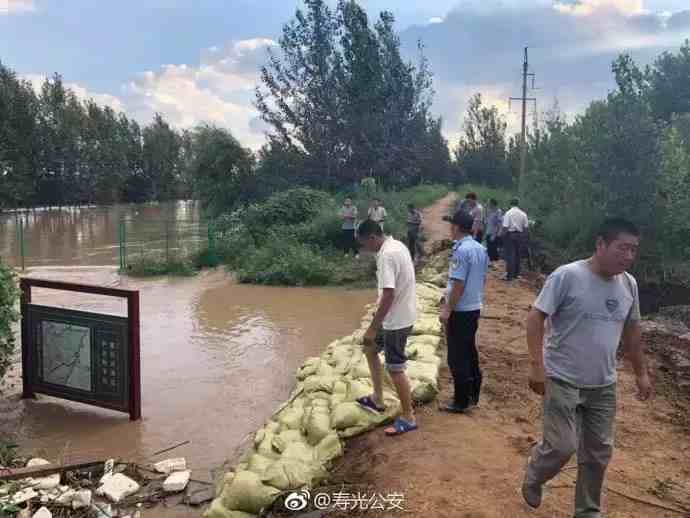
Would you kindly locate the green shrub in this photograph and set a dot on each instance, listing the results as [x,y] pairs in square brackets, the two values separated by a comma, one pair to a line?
[286,262]
[289,207]
[9,295]
[293,237]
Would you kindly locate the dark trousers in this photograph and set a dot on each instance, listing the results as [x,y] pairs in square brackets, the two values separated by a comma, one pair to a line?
[492,245]
[463,357]
[412,242]
[349,241]
[513,248]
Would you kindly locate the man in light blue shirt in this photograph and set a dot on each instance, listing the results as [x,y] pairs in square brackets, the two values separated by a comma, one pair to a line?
[460,310]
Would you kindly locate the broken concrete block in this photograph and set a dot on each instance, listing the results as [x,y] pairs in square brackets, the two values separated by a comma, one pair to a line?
[43,512]
[81,499]
[177,481]
[24,495]
[170,465]
[47,483]
[117,487]
[66,497]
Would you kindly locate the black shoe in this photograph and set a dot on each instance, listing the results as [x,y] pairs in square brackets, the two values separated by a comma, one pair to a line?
[454,409]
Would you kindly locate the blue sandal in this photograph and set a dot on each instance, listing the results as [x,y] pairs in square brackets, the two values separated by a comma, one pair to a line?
[369,404]
[400,426]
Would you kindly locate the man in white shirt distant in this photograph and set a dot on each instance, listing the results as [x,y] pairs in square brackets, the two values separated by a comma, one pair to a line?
[514,233]
[377,212]
[392,322]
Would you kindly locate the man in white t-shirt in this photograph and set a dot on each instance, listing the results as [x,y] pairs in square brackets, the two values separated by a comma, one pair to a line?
[377,212]
[514,234]
[392,322]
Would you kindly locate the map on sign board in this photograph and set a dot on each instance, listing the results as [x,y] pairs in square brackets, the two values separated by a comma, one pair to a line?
[67,355]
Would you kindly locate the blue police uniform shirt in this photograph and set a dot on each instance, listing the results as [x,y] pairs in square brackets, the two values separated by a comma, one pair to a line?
[469,263]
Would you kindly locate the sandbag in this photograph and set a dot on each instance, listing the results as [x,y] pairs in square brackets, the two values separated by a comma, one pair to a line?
[318,383]
[299,451]
[265,445]
[248,493]
[283,439]
[330,448]
[358,388]
[423,392]
[287,474]
[422,353]
[218,510]
[360,369]
[308,368]
[259,463]
[350,414]
[425,340]
[291,417]
[317,424]
[421,371]
[427,326]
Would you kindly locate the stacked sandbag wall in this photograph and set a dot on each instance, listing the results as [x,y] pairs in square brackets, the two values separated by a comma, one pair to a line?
[296,447]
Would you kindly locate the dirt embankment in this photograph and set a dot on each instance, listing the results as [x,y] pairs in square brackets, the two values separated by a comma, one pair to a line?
[471,466]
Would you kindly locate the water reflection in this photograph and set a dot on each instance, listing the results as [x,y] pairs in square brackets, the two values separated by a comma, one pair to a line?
[90,235]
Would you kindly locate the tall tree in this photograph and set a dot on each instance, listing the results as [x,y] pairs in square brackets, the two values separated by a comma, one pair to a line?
[340,94]
[481,151]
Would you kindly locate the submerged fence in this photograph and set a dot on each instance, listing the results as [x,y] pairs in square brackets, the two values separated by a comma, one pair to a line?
[164,240]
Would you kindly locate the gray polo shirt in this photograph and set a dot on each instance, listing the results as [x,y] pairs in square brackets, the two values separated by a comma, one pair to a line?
[586,316]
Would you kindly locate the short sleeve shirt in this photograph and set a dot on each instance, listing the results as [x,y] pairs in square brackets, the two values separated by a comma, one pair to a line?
[469,263]
[377,214]
[350,216]
[395,269]
[586,316]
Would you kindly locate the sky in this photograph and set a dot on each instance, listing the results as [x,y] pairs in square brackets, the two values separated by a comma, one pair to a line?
[198,60]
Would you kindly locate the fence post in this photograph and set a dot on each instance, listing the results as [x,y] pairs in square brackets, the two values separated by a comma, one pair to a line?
[211,241]
[119,239]
[167,239]
[22,249]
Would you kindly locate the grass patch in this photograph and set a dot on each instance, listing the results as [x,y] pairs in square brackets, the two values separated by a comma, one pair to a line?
[153,266]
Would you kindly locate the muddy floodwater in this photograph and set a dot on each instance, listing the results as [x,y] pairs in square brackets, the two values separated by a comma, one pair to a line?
[217,358]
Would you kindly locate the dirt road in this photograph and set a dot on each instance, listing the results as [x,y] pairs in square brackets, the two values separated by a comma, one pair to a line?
[471,466]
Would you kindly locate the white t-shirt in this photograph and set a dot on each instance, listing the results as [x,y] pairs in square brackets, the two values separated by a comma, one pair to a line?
[394,269]
[515,220]
[377,214]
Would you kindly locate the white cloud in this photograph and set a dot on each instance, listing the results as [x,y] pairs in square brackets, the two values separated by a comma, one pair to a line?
[218,90]
[8,7]
[81,92]
[435,19]
[589,7]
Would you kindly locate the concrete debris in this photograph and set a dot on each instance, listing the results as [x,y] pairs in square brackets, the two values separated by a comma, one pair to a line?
[177,481]
[43,512]
[117,487]
[81,499]
[170,465]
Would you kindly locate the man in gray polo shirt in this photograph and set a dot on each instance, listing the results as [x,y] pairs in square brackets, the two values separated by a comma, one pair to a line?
[590,306]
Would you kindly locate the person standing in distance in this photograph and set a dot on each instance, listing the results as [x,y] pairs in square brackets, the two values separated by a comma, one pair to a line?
[460,310]
[392,323]
[590,306]
[494,222]
[513,233]
[377,212]
[348,215]
[414,223]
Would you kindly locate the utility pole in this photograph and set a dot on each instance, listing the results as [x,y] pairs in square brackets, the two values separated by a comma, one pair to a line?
[524,99]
